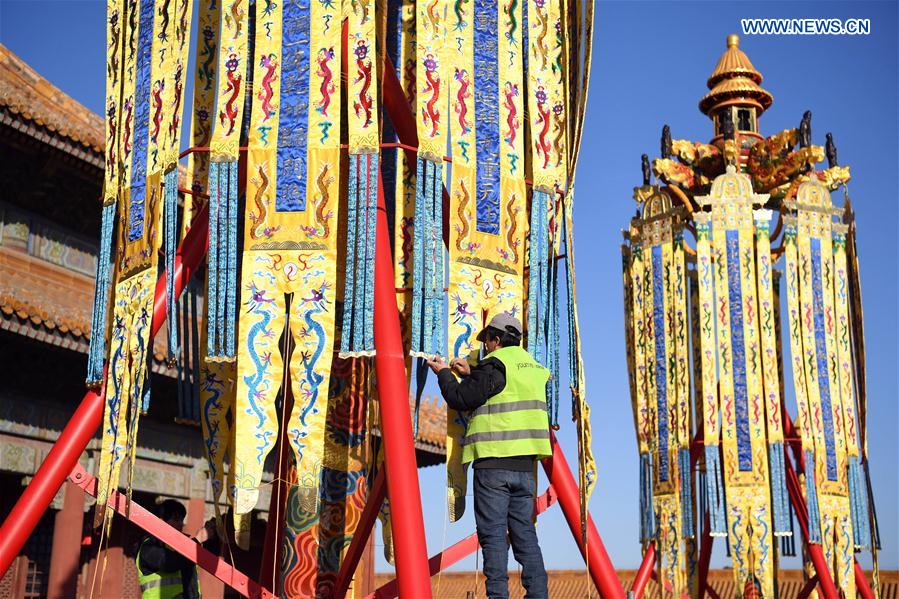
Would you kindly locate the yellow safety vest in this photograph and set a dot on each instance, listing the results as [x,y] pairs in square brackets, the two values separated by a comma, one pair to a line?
[159,585]
[514,421]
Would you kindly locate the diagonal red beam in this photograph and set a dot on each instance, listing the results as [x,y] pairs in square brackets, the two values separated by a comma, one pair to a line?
[594,552]
[174,538]
[64,454]
[645,571]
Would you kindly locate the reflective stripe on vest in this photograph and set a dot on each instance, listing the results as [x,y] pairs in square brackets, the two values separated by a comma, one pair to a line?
[514,421]
[158,585]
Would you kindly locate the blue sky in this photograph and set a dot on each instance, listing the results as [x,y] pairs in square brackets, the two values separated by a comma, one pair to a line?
[650,64]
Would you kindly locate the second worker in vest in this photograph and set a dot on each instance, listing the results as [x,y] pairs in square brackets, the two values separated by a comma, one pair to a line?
[507,432]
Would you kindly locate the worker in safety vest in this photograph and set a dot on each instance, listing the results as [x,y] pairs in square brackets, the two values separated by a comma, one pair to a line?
[162,572]
[507,432]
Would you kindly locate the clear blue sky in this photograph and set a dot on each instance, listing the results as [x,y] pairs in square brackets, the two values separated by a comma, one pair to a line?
[651,61]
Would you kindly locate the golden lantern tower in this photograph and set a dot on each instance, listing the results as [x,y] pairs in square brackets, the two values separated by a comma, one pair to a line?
[706,366]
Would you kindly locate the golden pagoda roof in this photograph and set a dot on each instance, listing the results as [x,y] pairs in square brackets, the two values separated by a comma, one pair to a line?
[735,79]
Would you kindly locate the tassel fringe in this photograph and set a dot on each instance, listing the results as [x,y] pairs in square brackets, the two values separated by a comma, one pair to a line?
[858,503]
[715,492]
[221,311]
[811,498]
[428,311]
[170,217]
[97,352]
[686,491]
[647,526]
[779,499]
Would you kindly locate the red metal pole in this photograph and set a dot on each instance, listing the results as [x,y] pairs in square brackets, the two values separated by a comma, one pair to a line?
[645,571]
[81,427]
[598,563]
[861,583]
[360,536]
[396,424]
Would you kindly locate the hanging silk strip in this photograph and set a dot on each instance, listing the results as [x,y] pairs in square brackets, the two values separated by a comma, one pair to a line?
[115,53]
[314,543]
[580,408]
[217,387]
[707,383]
[429,256]
[173,97]
[771,375]
[660,227]
[487,199]
[635,341]
[221,295]
[816,247]
[148,71]
[205,59]
[397,168]
[740,378]
[357,338]
[290,245]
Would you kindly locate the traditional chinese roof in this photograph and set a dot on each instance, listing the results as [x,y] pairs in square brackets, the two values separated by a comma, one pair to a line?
[735,80]
[576,584]
[25,94]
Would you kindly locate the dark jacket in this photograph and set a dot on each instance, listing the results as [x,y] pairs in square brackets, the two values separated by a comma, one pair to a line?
[155,556]
[487,379]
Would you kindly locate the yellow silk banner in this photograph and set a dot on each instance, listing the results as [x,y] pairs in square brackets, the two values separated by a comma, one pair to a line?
[205,59]
[809,240]
[147,72]
[740,374]
[290,245]
[487,199]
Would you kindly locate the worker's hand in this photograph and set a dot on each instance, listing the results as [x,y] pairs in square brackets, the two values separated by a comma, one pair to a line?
[436,363]
[460,366]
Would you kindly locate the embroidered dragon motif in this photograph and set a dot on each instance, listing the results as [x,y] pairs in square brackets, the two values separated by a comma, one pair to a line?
[229,113]
[430,113]
[164,27]
[258,230]
[540,49]
[158,87]
[270,64]
[112,67]
[512,23]
[207,71]
[512,211]
[460,15]
[110,141]
[324,72]
[175,123]
[129,119]
[364,102]
[463,228]
[234,18]
[323,182]
[543,145]
[509,94]
[463,94]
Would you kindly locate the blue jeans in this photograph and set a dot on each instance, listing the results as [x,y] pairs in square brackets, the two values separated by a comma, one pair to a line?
[504,501]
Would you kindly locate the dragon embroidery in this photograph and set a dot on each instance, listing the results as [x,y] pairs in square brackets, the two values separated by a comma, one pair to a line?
[543,145]
[258,231]
[364,102]
[270,64]
[462,95]
[110,142]
[234,80]
[112,67]
[430,113]
[460,15]
[327,87]
[175,123]
[234,18]
[461,212]
[129,119]
[323,182]
[512,211]
[158,86]
[207,71]
[164,27]
[509,94]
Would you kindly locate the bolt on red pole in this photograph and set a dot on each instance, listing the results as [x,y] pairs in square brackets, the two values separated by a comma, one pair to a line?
[396,424]
[63,456]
